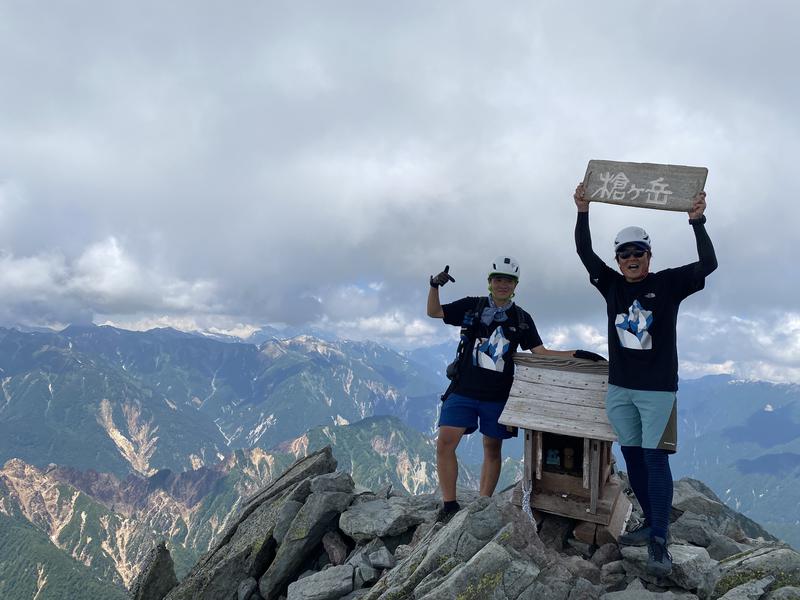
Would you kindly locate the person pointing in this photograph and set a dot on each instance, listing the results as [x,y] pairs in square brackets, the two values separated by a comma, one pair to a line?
[492,328]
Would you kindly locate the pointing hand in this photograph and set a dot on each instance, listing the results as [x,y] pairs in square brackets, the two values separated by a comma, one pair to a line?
[442,278]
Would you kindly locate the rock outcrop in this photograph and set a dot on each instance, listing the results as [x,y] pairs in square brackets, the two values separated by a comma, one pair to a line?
[157,576]
[310,535]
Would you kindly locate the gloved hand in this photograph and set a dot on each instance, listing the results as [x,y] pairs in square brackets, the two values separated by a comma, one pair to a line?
[441,278]
[587,355]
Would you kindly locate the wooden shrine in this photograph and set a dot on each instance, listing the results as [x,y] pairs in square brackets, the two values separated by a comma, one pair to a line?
[559,404]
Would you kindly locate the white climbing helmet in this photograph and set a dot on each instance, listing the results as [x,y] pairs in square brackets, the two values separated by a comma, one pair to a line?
[505,265]
[632,235]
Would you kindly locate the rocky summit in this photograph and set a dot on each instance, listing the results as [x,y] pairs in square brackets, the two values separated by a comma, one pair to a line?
[311,534]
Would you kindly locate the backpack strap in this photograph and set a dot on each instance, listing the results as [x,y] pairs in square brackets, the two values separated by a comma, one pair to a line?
[523,323]
[470,328]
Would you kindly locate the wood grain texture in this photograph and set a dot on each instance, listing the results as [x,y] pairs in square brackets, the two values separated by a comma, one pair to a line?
[559,395]
[528,463]
[519,412]
[586,463]
[594,474]
[578,508]
[560,363]
[643,185]
[619,516]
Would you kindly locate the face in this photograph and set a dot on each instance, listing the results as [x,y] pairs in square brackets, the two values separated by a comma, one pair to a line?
[634,263]
[502,287]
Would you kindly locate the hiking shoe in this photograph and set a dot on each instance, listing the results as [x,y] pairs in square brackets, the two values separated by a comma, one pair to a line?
[443,516]
[636,537]
[659,560]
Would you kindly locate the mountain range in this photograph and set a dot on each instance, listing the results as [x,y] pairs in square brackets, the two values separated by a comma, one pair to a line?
[111,439]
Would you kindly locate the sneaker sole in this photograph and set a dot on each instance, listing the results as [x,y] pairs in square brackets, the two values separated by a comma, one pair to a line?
[632,543]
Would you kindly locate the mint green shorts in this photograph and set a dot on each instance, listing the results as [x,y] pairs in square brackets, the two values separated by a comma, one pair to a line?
[643,418]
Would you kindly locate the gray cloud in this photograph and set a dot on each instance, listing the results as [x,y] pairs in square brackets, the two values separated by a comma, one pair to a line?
[269,162]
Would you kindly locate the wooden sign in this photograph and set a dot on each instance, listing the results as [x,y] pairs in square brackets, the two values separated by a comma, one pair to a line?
[645,185]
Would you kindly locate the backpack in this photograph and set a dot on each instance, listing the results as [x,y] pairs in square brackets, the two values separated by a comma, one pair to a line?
[469,331]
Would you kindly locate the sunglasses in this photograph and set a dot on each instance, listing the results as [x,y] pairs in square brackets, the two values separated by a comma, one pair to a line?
[628,253]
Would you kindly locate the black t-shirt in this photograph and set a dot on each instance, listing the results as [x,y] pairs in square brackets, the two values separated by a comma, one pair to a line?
[642,322]
[486,371]
[642,316]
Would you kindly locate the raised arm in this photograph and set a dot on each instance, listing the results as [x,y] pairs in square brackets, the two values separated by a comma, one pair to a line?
[583,237]
[707,262]
[434,304]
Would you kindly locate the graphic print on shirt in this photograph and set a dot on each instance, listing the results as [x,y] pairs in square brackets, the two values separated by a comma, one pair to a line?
[633,327]
[488,352]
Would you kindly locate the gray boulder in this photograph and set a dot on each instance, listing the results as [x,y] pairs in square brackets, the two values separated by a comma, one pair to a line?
[380,518]
[286,514]
[605,554]
[779,561]
[585,590]
[157,576]
[329,584]
[365,575]
[493,572]
[248,547]
[583,568]
[336,547]
[785,593]
[700,531]
[246,589]
[642,594]
[466,533]
[333,482]
[555,531]
[555,582]
[382,559]
[612,575]
[752,590]
[692,567]
[691,495]
[318,515]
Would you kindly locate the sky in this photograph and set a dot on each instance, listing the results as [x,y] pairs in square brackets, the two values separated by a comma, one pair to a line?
[225,166]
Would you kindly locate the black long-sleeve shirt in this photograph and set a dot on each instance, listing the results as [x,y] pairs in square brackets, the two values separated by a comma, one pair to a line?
[642,315]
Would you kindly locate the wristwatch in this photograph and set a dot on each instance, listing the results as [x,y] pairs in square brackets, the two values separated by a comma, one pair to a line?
[698,221]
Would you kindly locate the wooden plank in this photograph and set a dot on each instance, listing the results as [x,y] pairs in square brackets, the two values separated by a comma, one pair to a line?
[561,483]
[574,507]
[528,464]
[643,185]
[558,395]
[594,474]
[566,379]
[561,363]
[571,412]
[534,406]
[515,413]
[586,448]
[605,461]
[537,440]
[619,519]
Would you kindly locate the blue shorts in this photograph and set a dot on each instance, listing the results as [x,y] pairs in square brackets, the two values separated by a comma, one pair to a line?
[460,411]
[643,418]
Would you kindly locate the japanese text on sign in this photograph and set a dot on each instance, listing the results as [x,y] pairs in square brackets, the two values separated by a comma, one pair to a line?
[617,186]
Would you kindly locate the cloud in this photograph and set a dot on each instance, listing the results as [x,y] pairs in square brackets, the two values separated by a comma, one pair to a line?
[282,163]
[102,280]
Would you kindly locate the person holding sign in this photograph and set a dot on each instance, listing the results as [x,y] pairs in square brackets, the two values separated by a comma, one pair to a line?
[642,308]
[481,376]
